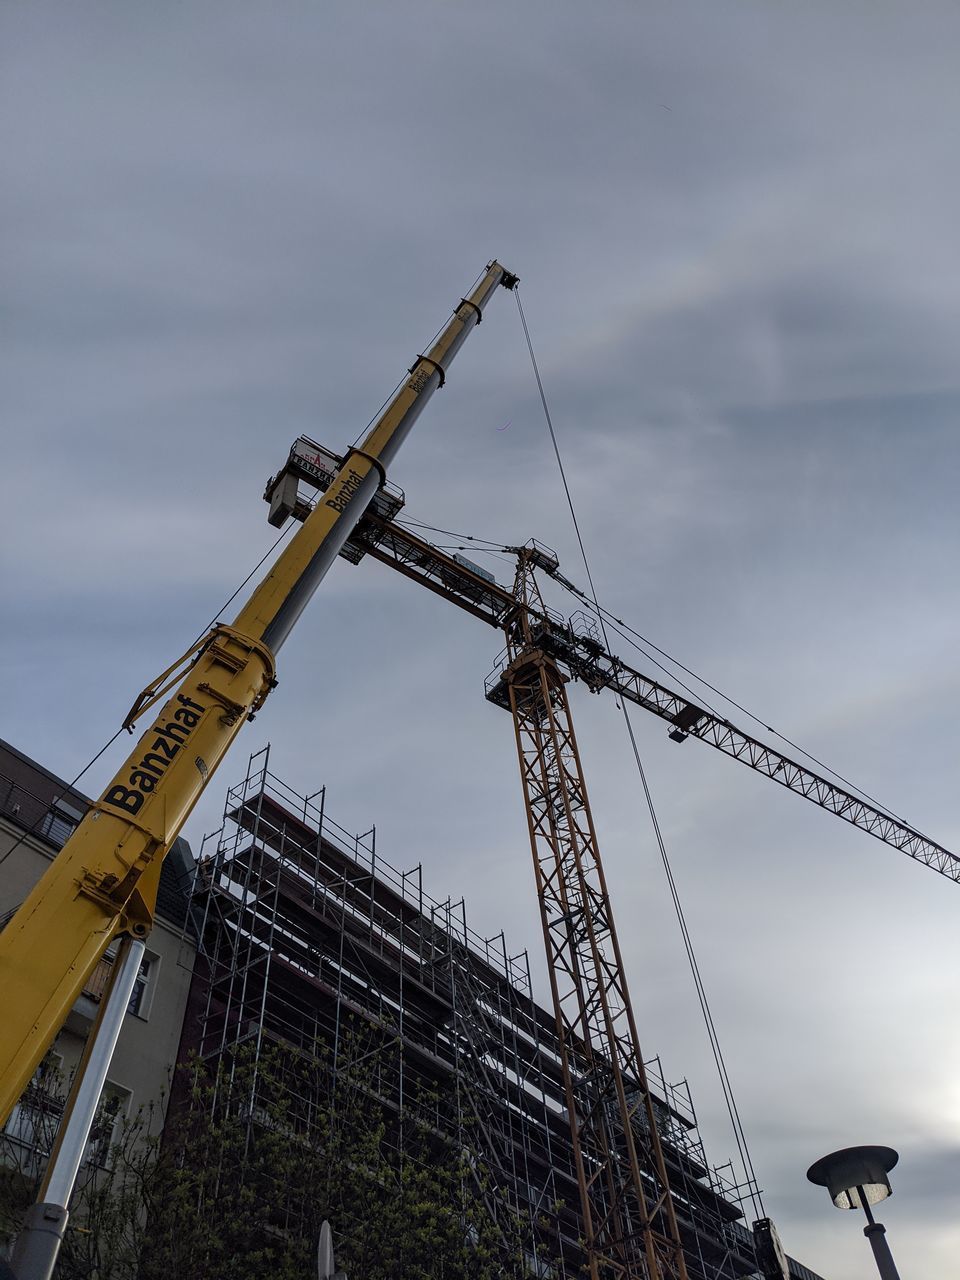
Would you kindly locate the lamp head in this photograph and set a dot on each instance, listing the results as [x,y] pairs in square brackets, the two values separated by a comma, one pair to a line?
[855,1170]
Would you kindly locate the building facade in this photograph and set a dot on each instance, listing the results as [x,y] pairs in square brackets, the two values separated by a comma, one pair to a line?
[38,811]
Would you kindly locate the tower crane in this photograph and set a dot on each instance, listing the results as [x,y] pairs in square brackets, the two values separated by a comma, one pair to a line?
[629,1215]
[576,646]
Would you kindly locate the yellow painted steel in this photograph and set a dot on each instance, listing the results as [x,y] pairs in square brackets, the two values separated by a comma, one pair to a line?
[105,878]
[93,889]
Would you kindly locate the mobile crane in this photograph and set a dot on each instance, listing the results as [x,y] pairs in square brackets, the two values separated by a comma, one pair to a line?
[104,881]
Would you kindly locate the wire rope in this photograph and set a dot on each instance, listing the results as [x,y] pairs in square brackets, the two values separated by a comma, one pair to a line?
[291,525]
[362,433]
[107,745]
[460,546]
[428,347]
[631,636]
[615,623]
[712,1036]
[410,523]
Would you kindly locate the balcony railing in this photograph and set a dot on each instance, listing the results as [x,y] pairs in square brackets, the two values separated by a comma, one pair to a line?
[39,817]
[96,984]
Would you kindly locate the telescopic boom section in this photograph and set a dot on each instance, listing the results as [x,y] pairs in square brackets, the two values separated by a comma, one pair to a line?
[281,597]
[104,881]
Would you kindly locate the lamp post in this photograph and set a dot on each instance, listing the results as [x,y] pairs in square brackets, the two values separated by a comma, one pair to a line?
[856,1178]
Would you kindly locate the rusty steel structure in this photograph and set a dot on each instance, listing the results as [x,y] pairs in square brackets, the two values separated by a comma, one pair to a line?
[628,1213]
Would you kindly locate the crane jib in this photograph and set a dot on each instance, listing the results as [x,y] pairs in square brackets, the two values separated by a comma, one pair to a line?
[585,660]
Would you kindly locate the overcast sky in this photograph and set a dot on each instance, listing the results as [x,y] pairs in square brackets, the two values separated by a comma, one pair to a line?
[736,230]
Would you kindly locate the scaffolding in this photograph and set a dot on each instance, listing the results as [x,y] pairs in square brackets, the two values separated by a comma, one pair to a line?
[304,930]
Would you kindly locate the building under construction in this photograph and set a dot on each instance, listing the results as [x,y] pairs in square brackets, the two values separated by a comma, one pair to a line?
[305,930]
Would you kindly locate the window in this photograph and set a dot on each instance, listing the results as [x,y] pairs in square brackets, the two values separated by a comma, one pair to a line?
[35,1118]
[60,821]
[56,827]
[105,1130]
[141,997]
[139,1004]
[33,1123]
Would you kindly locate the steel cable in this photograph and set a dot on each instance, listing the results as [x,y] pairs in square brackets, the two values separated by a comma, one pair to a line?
[616,622]
[719,1060]
[107,745]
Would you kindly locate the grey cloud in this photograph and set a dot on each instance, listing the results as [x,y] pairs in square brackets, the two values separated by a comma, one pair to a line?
[735,229]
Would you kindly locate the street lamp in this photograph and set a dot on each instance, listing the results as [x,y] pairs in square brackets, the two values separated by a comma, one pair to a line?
[856,1178]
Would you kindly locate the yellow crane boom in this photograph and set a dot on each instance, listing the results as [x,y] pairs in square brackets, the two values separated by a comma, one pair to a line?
[104,881]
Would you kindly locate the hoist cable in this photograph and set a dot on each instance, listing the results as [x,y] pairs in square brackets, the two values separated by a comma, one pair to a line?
[291,525]
[363,431]
[410,523]
[556,447]
[616,622]
[632,636]
[733,1111]
[107,745]
[70,785]
[428,347]
[720,1062]
[460,546]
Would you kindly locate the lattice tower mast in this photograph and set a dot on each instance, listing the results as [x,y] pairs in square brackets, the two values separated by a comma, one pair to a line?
[628,1213]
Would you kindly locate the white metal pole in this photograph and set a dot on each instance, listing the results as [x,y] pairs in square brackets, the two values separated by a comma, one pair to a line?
[45,1222]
